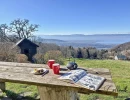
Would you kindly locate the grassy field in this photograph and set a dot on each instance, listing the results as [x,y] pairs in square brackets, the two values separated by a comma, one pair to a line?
[120,75]
[120,71]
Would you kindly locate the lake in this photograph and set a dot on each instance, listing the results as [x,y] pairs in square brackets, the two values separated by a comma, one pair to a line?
[98,41]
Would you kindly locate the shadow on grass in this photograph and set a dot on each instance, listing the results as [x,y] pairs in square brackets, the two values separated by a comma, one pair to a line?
[127,99]
[15,96]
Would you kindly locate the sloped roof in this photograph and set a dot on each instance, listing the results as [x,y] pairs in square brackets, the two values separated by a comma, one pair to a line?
[22,40]
[121,56]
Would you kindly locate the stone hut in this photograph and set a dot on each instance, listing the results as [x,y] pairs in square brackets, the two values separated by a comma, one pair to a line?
[27,47]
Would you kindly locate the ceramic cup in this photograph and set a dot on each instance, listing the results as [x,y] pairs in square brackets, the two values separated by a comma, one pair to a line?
[50,63]
[56,68]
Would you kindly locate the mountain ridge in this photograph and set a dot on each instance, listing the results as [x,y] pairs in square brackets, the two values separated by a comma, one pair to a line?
[122,47]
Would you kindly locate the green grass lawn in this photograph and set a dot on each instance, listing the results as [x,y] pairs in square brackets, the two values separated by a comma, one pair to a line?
[120,71]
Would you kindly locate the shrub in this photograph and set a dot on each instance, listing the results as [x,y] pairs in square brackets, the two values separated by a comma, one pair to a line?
[54,54]
[6,53]
[21,58]
[39,58]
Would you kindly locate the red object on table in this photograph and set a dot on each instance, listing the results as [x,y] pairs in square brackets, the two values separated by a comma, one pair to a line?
[50,63]
[56,68]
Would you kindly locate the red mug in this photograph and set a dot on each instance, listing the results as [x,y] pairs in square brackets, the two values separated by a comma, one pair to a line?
[56,68]
[50,63]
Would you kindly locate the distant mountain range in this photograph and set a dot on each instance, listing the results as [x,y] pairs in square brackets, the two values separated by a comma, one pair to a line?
[88,35]
[81,40]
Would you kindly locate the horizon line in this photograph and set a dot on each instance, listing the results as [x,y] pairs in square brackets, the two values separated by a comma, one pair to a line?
[89,34]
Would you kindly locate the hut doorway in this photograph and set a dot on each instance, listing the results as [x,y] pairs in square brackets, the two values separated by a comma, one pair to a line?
[26,51]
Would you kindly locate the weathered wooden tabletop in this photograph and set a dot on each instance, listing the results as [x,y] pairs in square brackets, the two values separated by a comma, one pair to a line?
[21,73]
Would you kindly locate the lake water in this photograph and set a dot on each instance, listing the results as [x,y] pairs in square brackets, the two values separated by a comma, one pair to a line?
[98,41]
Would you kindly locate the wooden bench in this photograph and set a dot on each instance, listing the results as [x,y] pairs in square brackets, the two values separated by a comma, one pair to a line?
[49,87]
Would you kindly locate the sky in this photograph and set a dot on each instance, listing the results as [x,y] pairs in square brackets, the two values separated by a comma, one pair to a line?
[58,17]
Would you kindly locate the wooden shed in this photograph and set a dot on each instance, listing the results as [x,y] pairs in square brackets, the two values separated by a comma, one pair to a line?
[27,47]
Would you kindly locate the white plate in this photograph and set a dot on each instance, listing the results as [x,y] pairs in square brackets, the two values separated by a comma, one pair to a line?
[39,71]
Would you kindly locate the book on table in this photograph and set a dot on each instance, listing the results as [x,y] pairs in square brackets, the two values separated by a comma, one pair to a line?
[83,78]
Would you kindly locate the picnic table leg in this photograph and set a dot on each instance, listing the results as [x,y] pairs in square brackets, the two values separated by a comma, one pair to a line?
[2,85]
[57,93]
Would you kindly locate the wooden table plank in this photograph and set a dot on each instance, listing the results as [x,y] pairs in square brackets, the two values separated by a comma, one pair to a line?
[15,64]
[21,73]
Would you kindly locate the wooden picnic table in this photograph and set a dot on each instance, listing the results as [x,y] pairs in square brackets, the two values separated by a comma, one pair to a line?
[49,86]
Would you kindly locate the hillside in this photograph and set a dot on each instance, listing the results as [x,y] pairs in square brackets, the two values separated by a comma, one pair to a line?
[122,47]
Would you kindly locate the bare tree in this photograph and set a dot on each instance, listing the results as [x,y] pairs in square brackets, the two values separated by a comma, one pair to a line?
[23,28]
[3,33]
